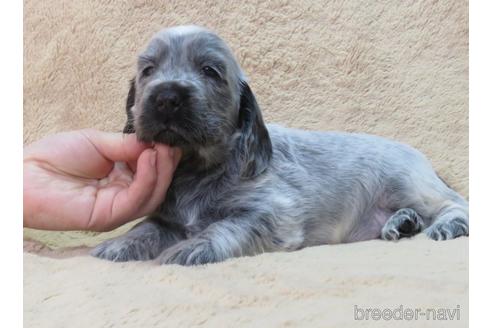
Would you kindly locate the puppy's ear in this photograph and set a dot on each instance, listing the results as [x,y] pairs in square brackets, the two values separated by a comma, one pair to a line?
[130,102]
[254,145]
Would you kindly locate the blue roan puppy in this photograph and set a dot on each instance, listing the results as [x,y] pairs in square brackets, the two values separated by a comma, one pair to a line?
[243,187]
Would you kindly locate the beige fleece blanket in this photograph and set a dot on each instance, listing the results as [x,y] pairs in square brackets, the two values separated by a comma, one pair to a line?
[393,68]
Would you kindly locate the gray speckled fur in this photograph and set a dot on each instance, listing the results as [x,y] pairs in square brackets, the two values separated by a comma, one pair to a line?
[243,188]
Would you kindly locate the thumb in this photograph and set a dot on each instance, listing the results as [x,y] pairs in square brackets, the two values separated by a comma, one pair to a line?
[167,162]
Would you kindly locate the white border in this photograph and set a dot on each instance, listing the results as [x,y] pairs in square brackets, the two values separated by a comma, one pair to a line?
[11,66]
[480,161]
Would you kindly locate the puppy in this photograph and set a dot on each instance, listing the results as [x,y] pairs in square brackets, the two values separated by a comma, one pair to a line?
[243,188]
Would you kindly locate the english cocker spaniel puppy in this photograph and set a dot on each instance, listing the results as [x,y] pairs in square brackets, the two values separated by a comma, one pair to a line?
[243,187]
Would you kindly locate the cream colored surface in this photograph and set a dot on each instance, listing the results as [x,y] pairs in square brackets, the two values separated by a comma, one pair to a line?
[393,68]
[314,287]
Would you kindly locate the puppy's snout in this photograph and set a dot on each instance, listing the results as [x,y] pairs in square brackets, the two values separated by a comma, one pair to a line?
[169,97]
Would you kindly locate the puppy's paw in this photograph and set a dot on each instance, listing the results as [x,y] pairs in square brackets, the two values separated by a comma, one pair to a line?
[189,252]
[447,229]
[404,223]
[124,249]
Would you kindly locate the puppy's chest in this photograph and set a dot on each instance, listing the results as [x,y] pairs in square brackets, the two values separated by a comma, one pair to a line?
[194,206]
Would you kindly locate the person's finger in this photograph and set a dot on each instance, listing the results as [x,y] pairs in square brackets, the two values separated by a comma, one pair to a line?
[116,146]
[167,161]
[128,203]
[132,165]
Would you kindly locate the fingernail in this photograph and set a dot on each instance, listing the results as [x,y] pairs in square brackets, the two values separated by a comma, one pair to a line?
[153,158]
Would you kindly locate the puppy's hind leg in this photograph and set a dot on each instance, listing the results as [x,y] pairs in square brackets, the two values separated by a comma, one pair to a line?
[143,242]
[417,186]
[450,222]
[404,223]
[444,211]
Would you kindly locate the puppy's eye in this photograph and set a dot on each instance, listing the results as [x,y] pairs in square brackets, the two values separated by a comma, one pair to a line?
[147,71]
[210,72]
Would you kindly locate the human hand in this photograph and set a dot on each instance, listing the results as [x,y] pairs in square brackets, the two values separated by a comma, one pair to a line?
[93,180]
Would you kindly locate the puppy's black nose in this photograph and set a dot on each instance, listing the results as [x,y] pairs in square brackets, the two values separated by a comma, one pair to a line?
[168,100]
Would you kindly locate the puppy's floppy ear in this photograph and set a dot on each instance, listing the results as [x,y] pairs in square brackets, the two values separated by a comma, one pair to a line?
[130,102]
[254,146]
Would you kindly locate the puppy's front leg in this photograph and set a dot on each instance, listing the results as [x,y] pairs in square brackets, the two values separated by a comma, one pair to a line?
[145,241]
[220,241]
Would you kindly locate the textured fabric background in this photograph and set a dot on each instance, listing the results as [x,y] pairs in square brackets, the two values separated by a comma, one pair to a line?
[393,68]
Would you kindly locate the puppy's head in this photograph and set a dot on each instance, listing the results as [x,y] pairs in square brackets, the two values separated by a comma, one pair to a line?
[190,92]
